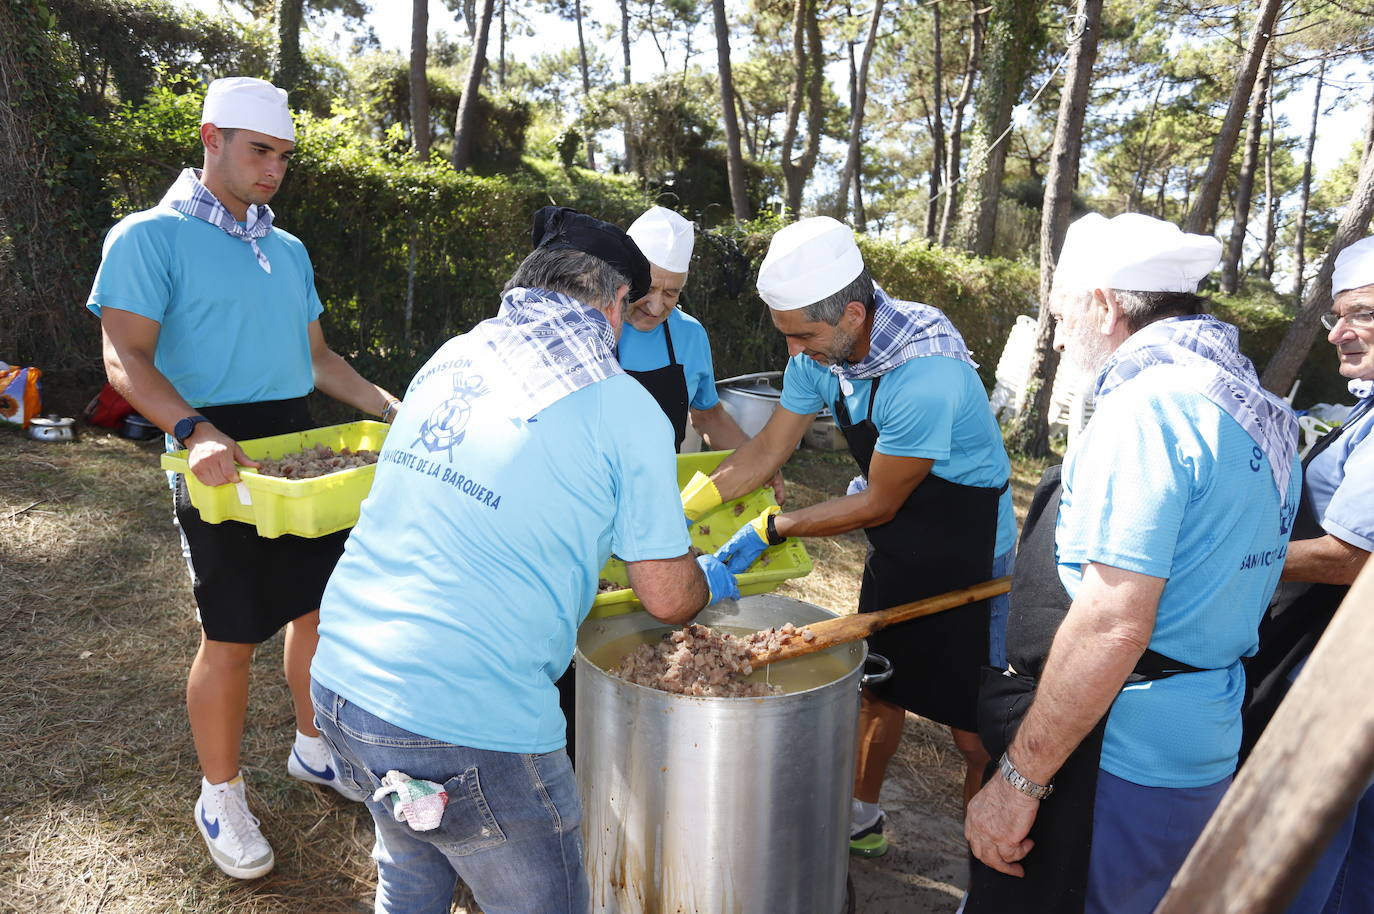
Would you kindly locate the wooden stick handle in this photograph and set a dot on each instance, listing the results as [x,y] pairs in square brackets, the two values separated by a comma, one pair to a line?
[860,625]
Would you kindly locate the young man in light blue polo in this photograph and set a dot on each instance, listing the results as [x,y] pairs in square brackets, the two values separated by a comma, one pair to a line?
[211,330]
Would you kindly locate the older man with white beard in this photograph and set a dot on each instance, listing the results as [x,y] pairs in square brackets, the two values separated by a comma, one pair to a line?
[1139,587]
[1332,539]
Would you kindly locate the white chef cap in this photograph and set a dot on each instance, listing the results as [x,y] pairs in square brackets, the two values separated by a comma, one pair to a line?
[665,238]
[245,103]
[1354,267]
[1078,256]
[807,261]
[1144,254]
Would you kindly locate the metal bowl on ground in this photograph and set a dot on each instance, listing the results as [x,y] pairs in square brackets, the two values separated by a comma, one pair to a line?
[52,428]
[715,805]
[138,428]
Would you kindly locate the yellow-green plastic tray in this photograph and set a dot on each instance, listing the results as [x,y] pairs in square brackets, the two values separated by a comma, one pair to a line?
[304,507]
[783,562]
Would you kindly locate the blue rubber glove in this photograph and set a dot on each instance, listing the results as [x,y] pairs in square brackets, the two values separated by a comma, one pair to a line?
[748,543]
[718,579]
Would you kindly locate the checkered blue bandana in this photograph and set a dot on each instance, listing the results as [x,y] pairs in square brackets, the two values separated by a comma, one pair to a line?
[1210,350]
[903,330]
[188,195]
[550,343]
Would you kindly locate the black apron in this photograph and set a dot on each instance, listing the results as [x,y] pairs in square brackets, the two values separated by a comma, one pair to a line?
[247,586]
[941,539]
[1056,869]
[668,386]
[1297,616]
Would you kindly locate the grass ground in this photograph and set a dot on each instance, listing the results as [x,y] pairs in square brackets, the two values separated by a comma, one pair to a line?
[96,764]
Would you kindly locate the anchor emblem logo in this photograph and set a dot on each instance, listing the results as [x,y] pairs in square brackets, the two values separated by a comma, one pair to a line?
[445,427]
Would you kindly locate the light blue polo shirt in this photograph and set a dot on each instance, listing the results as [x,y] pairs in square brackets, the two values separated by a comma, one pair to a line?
[1341,482]
[640,351]
[455,606]
[230,332]
[933,407]
[1164,483]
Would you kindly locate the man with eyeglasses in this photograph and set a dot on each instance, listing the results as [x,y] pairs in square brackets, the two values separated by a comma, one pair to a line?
[1332,537]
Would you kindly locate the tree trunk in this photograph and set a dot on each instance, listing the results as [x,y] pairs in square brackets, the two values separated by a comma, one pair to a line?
[501,55]
[419,79]
[1203,214]
[850,171]
[937,147]
[1138,184]
[288,65]
[1288,358]
[842,189]
[1014,38]
[466,124]
[629,126]
[1270,200]
[956,132]
[1030,432]
[734,161]
[1245,184]
[806,90]
[1301,240]
[625,39]
[586,87]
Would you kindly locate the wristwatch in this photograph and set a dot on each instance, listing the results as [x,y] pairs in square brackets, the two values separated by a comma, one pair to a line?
[184,427]
[1021,782]
[771,526]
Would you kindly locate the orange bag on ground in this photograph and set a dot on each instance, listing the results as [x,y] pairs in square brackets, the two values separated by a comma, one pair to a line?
[20,397]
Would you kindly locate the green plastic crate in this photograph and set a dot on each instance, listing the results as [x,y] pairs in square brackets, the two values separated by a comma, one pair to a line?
[788,560]
[304,507]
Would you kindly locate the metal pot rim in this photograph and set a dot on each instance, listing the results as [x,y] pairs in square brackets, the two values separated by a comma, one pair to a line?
[712,613]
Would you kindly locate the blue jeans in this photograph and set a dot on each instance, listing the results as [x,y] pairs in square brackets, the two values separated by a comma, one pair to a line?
[1342,882]
[511,830]
[998,608]
[1141,836]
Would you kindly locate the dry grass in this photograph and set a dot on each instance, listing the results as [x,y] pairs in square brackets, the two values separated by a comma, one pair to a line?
[96,762]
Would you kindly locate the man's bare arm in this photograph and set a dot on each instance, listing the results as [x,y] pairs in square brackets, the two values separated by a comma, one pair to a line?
[1106,630]
[755,461]
[128,343]
[672,590]
[340,380]
[891,481]
[1325,560]
[722,433]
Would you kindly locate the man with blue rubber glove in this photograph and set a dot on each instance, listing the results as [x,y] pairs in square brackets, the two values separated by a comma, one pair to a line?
[522,458]
[936,508]
[750,541]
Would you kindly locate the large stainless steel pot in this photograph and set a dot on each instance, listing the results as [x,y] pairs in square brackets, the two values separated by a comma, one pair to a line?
[750,399]
[716,805]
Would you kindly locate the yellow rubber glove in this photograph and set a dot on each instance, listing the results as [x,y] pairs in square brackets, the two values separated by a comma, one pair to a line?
[699,496]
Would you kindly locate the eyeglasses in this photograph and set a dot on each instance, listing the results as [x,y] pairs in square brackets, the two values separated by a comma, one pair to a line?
[1355,319]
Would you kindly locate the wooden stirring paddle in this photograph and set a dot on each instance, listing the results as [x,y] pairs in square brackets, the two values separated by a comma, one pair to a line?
[860,625]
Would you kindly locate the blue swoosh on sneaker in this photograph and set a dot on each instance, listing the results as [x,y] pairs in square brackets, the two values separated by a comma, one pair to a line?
[211,828]
[327,774]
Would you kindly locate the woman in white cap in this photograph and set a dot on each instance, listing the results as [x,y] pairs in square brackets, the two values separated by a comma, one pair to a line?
[1332,538]
[666,349]
[211,328]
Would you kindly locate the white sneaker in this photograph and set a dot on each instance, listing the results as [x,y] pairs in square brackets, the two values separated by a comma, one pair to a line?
[231,831]
[310,761]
